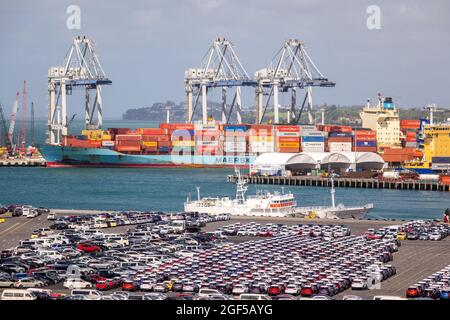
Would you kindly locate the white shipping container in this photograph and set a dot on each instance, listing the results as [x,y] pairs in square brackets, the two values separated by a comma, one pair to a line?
[235,149]
[288,134]
[235,139]
[107,143]
[207,143]
[314,133]
[340,146]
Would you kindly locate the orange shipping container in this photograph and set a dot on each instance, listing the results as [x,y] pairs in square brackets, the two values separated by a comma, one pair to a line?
[288,150]
[444,180]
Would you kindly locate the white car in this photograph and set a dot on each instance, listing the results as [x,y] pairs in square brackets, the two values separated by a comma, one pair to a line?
[239,289]
[76,284]
[51,216]
[26,210]
[359,284]
[32,214]
[435,236]
[292,289]
[147,285]
[28,283]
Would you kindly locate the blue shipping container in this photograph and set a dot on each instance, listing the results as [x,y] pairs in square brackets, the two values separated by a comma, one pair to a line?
[366,143]
[440,159]
[236,128]
[340,134]
[183,132]
[313,139]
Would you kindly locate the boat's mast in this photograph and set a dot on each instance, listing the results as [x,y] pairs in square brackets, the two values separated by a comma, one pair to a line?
[332,191]
[240,187]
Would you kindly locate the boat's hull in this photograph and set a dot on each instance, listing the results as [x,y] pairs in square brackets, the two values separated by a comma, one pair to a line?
[58,156]
[339,212]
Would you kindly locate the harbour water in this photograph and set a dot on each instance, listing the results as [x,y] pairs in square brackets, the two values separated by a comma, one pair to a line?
[166,189]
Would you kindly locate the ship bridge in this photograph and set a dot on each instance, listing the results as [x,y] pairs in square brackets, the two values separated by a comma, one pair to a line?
[275,163]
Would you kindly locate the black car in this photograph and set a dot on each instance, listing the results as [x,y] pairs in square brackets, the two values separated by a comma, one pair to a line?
[177,287]
[59,226]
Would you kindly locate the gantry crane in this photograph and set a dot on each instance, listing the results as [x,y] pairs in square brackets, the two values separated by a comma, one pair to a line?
[220,67]
[5,136]
[81,69]
[290,69]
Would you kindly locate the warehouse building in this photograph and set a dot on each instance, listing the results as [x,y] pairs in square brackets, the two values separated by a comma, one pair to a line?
[273,163]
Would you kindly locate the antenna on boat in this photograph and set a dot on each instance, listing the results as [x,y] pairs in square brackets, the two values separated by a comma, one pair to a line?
[332,191]
[241,188]
[198,193]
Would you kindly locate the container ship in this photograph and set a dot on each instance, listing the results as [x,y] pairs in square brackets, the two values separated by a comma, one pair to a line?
[196,145]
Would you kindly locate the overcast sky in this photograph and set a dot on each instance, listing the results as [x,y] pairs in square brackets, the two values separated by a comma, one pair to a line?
[145,46]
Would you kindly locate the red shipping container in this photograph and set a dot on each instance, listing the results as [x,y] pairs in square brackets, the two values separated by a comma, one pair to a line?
[366,149]
[410,124]
[151,131]
[340,139]
[289,150]
[288,128]
[118,130]
[128,148]
[341,129]
[177,126]
[129,137]
[411,134]
[364,138]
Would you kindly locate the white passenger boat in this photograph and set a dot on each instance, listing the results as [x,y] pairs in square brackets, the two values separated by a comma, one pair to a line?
[271,205]
[262,204]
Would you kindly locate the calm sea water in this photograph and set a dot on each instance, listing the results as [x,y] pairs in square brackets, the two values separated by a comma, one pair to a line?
[167,188]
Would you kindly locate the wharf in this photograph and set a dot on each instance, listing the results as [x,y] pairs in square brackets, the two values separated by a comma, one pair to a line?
[40,162]
[314,181]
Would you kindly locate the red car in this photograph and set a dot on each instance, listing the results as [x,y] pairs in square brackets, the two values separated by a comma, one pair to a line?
[412,292]
[274,291]
[103,285]
[129,286]
[86,247]
[306,291]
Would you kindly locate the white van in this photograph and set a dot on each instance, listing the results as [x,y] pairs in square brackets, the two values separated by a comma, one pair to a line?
[89,294]
[17,294]
[388,298]
[253,296]
[26,210]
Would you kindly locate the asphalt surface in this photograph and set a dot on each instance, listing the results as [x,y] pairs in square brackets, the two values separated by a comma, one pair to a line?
[415,260]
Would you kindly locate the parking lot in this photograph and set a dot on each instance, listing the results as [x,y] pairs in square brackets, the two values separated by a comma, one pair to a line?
[415,259]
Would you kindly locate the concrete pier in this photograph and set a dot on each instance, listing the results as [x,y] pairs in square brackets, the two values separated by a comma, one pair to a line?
[313,181]
[23,163]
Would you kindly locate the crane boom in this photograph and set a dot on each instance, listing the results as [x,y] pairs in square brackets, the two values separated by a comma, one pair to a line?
[12,123]
[24,116]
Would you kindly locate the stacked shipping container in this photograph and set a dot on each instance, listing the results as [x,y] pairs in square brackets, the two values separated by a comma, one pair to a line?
[287,139]
[312,139]
[365,140]
[410,130]
[260,138]
[234,139]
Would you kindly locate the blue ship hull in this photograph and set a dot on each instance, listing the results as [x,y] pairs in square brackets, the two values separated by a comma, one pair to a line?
[59,156]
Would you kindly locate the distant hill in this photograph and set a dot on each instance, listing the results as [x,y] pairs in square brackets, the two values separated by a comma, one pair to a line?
[334,114]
